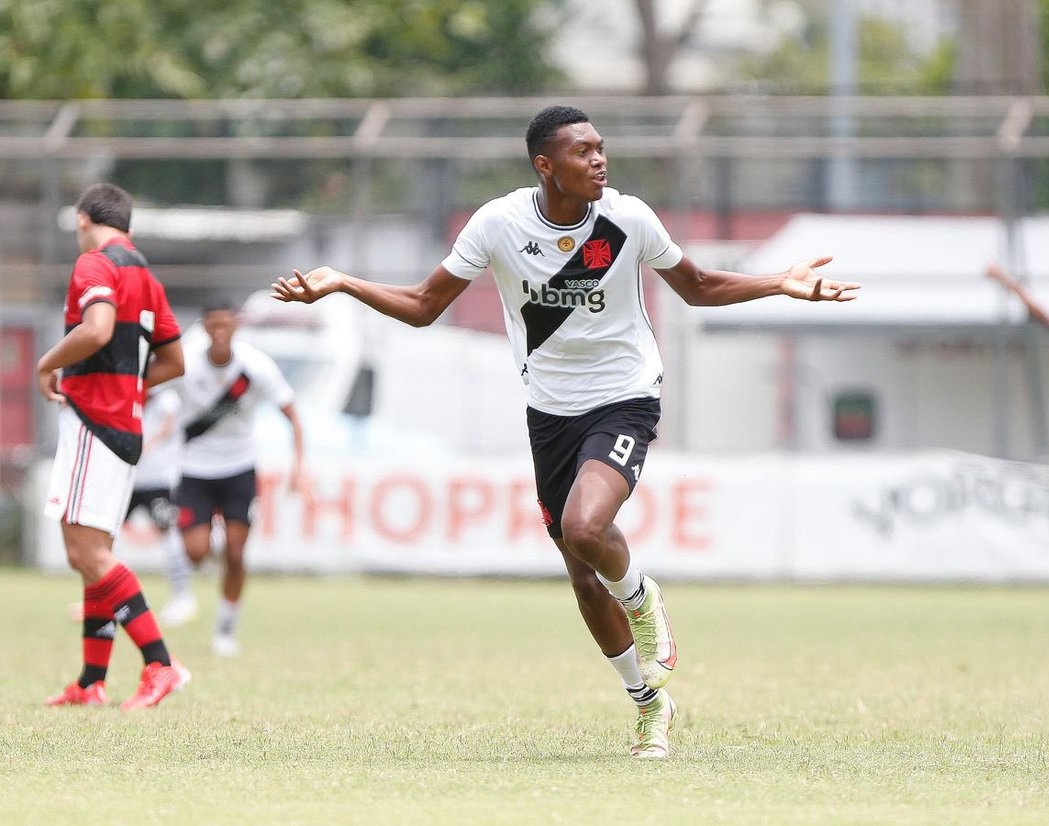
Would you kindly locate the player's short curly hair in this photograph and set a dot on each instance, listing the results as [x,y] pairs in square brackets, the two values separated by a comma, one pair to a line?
[218,304]
[107,205]
[544,126]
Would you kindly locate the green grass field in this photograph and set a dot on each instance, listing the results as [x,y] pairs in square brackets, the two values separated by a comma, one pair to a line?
[472,702]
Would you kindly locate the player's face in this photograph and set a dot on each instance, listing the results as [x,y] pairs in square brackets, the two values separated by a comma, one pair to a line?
[578,163]
[220,326]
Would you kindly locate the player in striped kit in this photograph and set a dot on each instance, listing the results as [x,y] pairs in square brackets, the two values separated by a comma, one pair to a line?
[121,338]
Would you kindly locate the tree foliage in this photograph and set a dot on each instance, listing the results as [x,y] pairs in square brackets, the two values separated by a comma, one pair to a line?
[885,62]
[63,49]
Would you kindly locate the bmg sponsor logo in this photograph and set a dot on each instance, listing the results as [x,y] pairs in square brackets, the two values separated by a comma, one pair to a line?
[576,292]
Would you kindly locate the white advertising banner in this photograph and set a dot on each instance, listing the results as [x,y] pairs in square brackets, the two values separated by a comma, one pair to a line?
[935,516]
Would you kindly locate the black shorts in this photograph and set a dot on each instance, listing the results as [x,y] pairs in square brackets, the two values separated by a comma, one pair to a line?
[157,503]
[230,497]
[617,434]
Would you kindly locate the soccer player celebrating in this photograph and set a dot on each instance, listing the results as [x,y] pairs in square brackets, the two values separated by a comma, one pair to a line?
[567,257]
[121,337]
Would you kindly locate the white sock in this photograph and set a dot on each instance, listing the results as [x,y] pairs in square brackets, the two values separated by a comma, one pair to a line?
[630,590]
[626,667]
[226,617]
[179,570]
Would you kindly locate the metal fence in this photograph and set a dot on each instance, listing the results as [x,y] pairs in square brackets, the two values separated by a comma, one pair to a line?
[230,192]
[711,163]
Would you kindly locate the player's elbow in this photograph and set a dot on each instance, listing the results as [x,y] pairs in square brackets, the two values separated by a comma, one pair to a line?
[170,360]
[424,313]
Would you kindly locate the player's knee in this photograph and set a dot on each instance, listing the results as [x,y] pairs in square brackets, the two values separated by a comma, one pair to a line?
[197,551]
[88,561]
[78,559]
[585,538]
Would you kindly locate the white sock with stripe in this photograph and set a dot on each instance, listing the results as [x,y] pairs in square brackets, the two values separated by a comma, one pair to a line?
[625,665]
[630,590]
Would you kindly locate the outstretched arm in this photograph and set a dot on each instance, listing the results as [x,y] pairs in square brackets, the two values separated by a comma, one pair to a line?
[715,288]
[1033,307]
[418,305]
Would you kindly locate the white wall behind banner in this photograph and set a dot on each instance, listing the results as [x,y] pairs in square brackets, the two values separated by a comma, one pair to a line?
[937,516]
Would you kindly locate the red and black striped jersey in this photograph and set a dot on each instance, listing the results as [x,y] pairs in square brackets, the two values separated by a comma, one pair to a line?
[107,389]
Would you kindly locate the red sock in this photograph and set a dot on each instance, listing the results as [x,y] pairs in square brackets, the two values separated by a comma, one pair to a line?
[125,600]
[99,630]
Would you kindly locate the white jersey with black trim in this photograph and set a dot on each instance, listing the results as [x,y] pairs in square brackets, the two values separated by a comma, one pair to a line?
[228,446]
[572,299]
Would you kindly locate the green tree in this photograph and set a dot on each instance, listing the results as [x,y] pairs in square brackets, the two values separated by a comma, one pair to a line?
[885,62]
[63,49]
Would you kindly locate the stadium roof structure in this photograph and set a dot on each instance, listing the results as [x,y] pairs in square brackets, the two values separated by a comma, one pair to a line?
[734,126]
[919,273]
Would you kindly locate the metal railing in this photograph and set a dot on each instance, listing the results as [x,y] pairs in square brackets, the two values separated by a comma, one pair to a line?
[951,127]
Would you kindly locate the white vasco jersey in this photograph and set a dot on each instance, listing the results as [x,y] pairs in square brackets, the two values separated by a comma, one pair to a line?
[572,299]
[159,465]
[228,394]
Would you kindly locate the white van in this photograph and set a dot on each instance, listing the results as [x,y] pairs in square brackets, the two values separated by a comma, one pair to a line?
[368,385]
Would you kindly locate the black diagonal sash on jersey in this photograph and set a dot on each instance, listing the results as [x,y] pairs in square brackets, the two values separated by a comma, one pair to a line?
[225,404]
[541,321]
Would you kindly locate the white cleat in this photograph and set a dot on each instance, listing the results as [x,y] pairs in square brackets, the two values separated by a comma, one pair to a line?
[224,645]
[653,640]
[180,609]
[654,723]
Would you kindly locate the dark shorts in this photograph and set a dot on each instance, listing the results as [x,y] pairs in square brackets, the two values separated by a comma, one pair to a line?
[230,497]
[617,435]
[157,503]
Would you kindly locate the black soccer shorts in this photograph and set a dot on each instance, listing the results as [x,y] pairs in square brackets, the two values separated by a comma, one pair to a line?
[157,503]
[231,497]
[617,434]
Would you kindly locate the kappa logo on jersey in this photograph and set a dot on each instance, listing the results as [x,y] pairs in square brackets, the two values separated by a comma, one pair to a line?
[577,292]
[532,248]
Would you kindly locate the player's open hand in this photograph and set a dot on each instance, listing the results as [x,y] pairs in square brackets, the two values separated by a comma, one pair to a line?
[803,281]
[301,483]
[307,288]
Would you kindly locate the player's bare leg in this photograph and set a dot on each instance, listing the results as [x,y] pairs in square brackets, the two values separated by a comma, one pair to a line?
[603,614]
[89,551]
[587,523]
[197,542]
[234,574]
[622,609]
